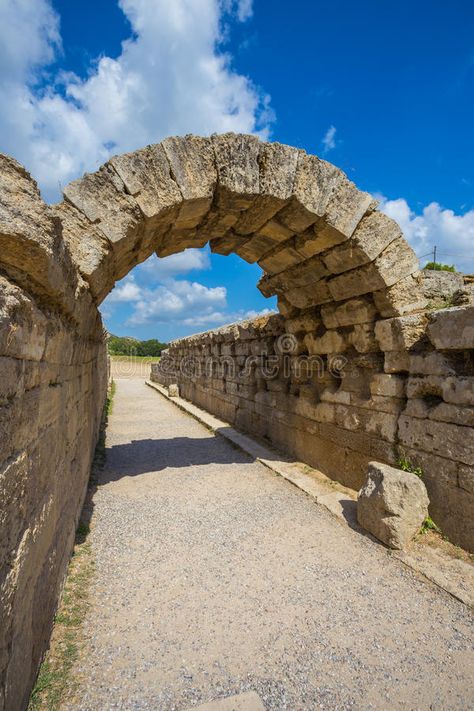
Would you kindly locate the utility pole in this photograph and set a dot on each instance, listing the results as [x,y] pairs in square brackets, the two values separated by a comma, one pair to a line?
[434,256]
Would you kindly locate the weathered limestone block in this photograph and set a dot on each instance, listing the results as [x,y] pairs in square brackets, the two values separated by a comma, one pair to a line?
[430,386]
[346,207]
[277,165]
[441,438]
[362,337]
[428,363]
[306,321]
[238,171]
[352,418]
[330,342]
[354,311]
[379,403]
[373,234]
[307,296]
[302,274]
[466,478]
[440,284]
[227,244]
[192,163]
[102,198]
[254,248]
[396,262]
[277,232]
[31,248]
[23,326]
[458,390]
[91,250]
[402,333]
[314,182]
[453,328]
[388,385]
[431,363]
[457,415]
[280,258]
[286,309]
[392,505]
[404,297]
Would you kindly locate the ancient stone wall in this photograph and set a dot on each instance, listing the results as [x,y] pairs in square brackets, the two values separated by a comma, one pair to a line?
[347,284]
[52,386]
[337,390]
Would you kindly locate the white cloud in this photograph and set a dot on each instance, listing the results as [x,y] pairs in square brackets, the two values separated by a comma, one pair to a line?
[128,290]
[174,302]
[452,234]
[172,77]
[329,139]
[179,302]
[181,263]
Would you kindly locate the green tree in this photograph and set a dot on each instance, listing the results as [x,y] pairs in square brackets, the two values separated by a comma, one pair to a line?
[440,267]
[125,345]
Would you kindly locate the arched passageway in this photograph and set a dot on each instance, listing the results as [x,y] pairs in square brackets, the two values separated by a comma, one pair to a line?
[346,281]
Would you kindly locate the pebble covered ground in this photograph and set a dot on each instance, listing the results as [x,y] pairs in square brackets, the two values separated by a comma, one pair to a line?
[214,576]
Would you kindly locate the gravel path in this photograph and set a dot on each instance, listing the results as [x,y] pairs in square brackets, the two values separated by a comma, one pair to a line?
[214,576]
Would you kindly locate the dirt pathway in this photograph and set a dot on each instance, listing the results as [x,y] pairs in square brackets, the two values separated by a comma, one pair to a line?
[215,577]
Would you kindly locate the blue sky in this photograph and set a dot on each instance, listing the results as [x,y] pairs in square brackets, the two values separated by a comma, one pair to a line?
[385,90]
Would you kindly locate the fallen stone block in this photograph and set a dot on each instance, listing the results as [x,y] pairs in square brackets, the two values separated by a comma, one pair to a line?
[392,505]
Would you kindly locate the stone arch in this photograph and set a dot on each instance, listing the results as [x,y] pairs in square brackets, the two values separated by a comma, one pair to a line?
[345,278]
[317,237]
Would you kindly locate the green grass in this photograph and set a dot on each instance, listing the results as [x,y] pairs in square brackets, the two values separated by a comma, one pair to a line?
[407,466]
[429,525]
[134,358]
[56,675]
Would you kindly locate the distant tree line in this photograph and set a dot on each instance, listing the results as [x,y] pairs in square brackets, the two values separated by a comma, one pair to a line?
[440,267]
[124,345]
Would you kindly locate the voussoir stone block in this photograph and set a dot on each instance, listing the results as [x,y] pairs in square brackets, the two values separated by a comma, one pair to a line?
[314,182]
[372,235]
[277,166]
[346,207]
[396,262]
[90,249]
[392,505]
[238,168]
[348,313]
[102,198]
[303,274]
[31,247]
[193,167]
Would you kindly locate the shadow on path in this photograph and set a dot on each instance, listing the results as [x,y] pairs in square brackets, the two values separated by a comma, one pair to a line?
[144,456]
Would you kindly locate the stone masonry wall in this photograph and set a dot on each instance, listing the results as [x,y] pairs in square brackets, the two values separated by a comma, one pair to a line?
[52,387]
[336,391]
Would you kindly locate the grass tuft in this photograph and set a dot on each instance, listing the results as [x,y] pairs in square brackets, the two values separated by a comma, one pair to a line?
[55,679]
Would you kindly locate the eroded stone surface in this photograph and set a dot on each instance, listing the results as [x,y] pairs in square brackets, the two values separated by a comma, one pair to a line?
[392,505]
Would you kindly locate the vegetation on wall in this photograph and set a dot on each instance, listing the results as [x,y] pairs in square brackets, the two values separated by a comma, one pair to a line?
[126,346]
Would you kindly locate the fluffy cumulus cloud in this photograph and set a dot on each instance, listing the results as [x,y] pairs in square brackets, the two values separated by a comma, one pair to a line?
[157,292]
[162,269]
[172,77]
[452,234]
